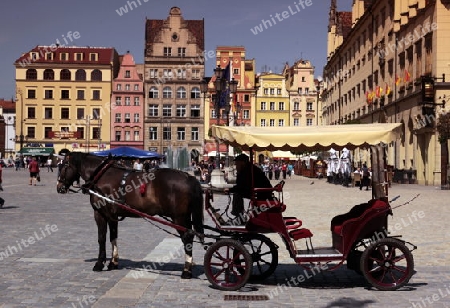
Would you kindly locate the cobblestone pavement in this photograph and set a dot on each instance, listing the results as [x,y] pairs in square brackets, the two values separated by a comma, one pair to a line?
[48,246]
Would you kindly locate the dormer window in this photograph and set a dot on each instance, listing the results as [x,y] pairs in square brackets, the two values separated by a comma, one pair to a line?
[64,56]
[78,56]
[93,56]
[34,56]
[49,56]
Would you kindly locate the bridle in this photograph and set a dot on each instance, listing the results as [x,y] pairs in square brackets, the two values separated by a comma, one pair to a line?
[63,180]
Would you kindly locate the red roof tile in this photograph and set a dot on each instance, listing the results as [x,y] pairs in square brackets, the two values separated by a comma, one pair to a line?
[345,23]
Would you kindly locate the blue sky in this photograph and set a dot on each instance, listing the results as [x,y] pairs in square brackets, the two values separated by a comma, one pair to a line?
[299,33]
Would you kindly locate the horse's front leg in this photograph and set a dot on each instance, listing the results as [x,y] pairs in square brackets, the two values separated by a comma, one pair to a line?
[113,232]
[188,239]
[102,228]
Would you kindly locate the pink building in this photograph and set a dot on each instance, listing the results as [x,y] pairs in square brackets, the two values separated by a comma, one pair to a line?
[127,120]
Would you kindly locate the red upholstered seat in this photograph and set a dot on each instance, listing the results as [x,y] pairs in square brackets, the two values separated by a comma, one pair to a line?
[292,223]
[300,233]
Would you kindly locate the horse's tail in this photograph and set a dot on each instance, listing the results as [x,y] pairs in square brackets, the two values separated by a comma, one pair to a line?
[197,205]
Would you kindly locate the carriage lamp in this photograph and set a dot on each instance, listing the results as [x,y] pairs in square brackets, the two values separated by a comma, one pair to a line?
[428,97]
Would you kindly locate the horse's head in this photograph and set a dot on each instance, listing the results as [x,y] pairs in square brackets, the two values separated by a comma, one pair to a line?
[67,176]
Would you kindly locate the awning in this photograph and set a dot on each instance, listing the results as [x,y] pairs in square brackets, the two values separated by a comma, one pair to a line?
[303,138]
[37,151]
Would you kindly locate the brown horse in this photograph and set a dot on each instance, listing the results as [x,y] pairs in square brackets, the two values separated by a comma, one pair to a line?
[169,193]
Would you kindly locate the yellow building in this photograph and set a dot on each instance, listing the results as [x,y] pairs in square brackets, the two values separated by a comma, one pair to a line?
[272,101]
[378,55]
[63,98]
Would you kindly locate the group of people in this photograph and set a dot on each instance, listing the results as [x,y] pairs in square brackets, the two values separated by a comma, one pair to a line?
[276,170]
[366,174]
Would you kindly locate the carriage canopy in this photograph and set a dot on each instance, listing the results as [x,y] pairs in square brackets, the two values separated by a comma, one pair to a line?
[309,137]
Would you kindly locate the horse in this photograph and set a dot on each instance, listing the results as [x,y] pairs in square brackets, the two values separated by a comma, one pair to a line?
[169,193]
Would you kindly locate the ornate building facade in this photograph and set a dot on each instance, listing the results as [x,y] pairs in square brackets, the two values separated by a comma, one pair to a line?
[174,66]
[378,56]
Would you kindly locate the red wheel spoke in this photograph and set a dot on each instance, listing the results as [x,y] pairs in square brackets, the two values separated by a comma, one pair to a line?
[219,273]
[398,269]
[219,256]
[399,258]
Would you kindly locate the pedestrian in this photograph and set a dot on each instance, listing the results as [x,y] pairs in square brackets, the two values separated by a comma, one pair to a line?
[284,170]
[271,171]
[2,201]
[277,171]
[33,167]
[49,165]
[138,166]
[365,177]
[290,168]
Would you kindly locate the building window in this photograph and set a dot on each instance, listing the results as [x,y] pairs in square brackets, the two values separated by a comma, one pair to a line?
[152,110]
[96,133]
[93,56]
[296,106]
[136,87]
[281,106]
[309,106]
[48,113]
[31,74]
[136,101]
[65,74]
[280,122]
[153,93]
[48,94]
[195,134]
[80,113]
[137,136]
[153,73]
[34,56]
[65,94]
[246,98]
[153,133]
[127,87]
[80,94]
[127,101]
[246,114]
[296,122]
[96,113]
[47,131]
[136,118]
[31,93]
[118,100]
[96,75]
[80,75]
[167,92]
[181,110]
[181,92]
[49,74]
[181,133]
[300,91]
[31,113]
[78,56]
[118,118]
[195,74]
[271,122]
[263,105]
[195,92]
[96,94]
[119,87]
[167,133]
[167,73]
[309,122]
[65,113]
[272,106]
[181,73]
[127,74]
[263,122]
[272,91]
[80,132]
[31,132]
[127,118]
[49,56]
[167,51]
[181,51]
[118,135]
[235,71]
[278,91]
[195,111]
[167,110]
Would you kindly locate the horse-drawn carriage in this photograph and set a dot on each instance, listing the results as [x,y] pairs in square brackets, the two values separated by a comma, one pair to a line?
[236,253]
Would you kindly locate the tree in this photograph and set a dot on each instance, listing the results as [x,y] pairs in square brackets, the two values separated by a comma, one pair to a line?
[443,128]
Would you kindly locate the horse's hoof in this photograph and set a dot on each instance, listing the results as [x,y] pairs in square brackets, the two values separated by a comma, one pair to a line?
[112,266]
[186,275]
[98,267]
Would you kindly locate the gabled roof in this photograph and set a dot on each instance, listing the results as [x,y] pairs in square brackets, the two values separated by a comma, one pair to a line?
[105,55]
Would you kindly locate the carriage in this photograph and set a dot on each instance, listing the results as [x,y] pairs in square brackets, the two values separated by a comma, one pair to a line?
[237,253]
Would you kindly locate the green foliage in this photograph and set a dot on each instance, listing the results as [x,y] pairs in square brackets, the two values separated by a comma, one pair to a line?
[443,127]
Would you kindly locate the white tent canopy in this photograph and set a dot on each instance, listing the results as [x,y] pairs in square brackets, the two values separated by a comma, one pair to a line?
[309,137]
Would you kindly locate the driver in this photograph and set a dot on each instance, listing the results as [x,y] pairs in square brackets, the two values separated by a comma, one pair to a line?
[243,187]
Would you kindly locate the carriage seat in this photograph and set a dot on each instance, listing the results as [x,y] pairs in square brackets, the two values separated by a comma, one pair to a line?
[300,233]
[356,214]
[292,223]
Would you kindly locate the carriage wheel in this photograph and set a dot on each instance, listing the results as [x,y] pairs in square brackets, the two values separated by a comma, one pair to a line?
[227,265]
[387,264]
[264,255]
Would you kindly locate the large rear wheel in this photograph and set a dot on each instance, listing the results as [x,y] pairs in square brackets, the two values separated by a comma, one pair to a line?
[227,265]
[264,255]
[387,264]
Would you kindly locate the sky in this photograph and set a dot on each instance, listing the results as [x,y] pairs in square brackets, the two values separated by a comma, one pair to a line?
[293,29]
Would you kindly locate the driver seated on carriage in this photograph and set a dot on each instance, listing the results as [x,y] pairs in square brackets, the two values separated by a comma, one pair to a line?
[243,187]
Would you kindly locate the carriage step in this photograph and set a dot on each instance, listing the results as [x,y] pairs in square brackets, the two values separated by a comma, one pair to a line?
[300,233]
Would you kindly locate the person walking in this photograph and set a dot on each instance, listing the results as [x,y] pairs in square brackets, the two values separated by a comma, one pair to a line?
[33,167]
[49,165]
[365,181]
[2,201]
